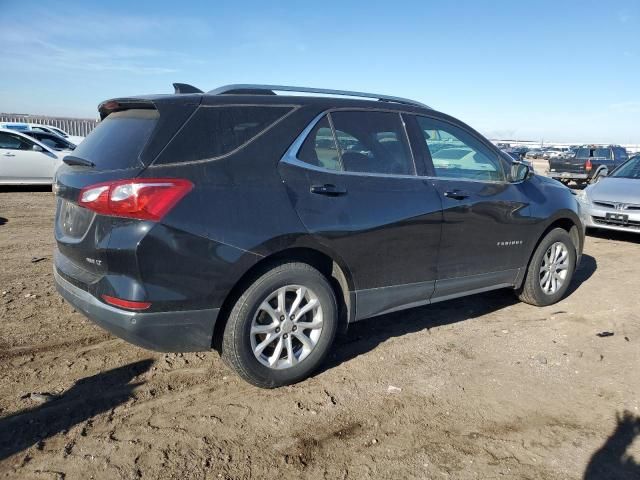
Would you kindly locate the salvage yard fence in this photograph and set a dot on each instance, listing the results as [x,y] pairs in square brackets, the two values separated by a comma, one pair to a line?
[73,126]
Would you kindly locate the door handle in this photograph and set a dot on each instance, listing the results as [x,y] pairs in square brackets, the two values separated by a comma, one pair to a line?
[328,189]
[456,194]
[9,154]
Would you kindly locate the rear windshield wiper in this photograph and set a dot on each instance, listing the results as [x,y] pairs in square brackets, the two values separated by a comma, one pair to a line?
[72,160]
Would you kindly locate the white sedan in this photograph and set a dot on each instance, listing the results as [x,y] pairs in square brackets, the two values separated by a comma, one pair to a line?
[26,161]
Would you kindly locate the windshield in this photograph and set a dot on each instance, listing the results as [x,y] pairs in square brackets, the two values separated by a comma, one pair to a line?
[631,169]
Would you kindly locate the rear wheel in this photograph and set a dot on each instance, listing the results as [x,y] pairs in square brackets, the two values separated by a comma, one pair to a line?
[282,326]
[550,270]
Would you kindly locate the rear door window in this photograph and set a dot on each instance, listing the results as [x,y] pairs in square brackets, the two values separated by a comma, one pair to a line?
[319,148]
[373,142]
[118,140]
[216,131]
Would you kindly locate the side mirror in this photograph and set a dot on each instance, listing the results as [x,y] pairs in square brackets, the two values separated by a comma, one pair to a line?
[519,172]
[37,148]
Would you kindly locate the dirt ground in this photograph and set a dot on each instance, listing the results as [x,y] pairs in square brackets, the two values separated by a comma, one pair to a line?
[477,388]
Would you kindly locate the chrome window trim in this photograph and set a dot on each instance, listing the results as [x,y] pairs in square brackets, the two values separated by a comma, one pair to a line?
[291,155]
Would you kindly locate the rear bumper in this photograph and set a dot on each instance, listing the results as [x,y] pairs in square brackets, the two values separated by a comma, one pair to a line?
[568,175]
[177,331]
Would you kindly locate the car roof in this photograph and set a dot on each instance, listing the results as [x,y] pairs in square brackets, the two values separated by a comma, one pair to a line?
[265,95]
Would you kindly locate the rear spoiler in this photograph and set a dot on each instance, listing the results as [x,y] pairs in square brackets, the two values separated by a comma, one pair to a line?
[119,104]
[143,102]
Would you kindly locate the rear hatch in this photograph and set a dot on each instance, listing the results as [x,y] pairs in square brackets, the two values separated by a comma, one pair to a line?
[123,144]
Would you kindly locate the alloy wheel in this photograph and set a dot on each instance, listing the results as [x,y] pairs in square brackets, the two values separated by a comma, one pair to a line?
[286,327]
[554,268]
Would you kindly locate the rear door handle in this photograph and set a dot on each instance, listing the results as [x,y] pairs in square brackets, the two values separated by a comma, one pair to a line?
[9,154]
[328,189]
[456,194]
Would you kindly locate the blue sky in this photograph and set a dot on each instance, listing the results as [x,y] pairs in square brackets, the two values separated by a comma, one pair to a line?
[554,70]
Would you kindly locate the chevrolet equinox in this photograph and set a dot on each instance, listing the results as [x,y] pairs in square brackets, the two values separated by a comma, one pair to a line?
[261,224]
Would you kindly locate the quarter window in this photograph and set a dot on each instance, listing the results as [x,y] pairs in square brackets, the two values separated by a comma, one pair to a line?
[457,154]
[372,142]
[216,131]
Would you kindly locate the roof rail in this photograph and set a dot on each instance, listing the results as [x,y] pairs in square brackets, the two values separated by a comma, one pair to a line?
[250,89]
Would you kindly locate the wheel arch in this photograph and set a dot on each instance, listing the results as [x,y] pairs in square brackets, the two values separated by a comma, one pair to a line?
[337,274]
[566,222]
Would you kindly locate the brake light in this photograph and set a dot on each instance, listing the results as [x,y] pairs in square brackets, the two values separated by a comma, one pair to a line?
[141,198]
[128,304]
[587,165]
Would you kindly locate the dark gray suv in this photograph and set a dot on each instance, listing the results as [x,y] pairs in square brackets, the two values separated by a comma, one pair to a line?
[261,223]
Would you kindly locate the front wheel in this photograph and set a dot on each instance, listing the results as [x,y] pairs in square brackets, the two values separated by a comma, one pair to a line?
[550,270]
[282,326]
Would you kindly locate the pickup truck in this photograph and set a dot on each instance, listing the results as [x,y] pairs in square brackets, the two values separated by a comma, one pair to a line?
[588,165]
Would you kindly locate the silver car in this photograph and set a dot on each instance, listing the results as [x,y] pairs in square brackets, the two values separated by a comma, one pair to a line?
[25,160]
[613,203]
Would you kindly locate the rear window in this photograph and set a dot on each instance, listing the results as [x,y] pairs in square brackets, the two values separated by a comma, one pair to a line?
[118,140]
[594,153]
[216,131]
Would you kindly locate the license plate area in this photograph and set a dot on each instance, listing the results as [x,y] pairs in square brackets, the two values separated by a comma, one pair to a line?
[619,218]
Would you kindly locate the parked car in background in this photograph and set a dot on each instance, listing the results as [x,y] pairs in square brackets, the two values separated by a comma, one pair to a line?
[24,127]
[556,152]
[48,128]
[521,151]
[534,153]
[589,164]
[292,217]
[20,127]
[25,160]
[614,202]
[517,153]
[514,156]
[51,140]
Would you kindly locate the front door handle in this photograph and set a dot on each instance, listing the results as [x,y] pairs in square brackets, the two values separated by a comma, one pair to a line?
[9,154]
[328,189]
[456,194]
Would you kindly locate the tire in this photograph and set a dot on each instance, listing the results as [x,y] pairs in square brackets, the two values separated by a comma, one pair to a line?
[288,358]
[532,291]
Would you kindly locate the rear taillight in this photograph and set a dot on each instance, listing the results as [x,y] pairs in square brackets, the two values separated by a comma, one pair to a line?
[128,304]
[141,198]
[588,166]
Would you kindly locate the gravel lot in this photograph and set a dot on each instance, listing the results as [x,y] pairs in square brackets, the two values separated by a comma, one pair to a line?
[481,387]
